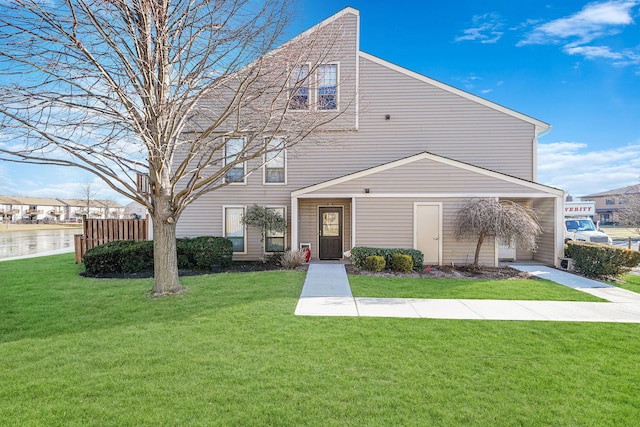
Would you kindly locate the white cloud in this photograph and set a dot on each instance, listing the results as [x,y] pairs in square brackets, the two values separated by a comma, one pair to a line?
[595,21]
[486,29]
[592,52]
[570,166]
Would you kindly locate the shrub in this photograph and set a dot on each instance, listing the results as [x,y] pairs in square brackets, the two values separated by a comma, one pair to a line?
[128,256]
[274,258]
[359,254]
[402,263]
[600,261]
[203,252]
[123,256]
[293,259]
[375,263]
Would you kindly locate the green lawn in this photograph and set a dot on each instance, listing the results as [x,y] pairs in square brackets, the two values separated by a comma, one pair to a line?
[515,289]
[632,283]
[89,352]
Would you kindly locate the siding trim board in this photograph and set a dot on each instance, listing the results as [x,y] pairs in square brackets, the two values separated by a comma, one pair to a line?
[423,195]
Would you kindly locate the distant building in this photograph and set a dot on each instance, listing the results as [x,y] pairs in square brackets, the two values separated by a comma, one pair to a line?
[44,209]
[135,210]
[610,203]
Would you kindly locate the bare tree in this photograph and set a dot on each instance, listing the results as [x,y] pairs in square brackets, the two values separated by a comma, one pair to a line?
[88,195]
[482,218]
[629,214]
[154,88]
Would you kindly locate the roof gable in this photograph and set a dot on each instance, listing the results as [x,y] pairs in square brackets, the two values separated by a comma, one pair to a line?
[432,169]
[631,189]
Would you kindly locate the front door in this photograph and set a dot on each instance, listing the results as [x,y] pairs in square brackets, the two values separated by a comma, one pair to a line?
[330,245]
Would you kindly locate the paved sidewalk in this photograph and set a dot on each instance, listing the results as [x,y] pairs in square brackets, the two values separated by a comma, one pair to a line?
[326,292]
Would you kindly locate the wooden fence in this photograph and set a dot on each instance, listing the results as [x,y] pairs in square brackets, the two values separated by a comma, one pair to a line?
[100,231]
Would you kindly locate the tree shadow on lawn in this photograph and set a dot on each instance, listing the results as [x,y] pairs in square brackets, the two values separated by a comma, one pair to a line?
[42,298]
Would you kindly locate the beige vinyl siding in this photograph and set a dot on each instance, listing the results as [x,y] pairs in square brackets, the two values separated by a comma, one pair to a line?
[422,118]
[388,223]
[204,216]
[424,176]
[545,253]
[442,123]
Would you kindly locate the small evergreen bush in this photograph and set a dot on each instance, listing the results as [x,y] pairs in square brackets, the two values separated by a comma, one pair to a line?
[402,263]
[375,263]
[601,261]
[128,256]
[360,253]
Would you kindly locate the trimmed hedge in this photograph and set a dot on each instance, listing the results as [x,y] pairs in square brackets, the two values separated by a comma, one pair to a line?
[128,256]
[402,263]
[600,261]
[360,253]
[374,263]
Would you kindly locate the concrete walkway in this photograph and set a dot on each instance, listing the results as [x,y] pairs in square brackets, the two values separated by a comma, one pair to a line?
[326,292]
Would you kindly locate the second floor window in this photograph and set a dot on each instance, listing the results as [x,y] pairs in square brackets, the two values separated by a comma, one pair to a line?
[610,202]
[232,148]
[299,85]
[328,87]
[275,162]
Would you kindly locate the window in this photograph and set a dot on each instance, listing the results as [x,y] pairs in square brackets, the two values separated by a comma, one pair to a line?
[610,202]
[274,241]
[234,228]
[275,162]
[328,87]
[232,149]
[299,85]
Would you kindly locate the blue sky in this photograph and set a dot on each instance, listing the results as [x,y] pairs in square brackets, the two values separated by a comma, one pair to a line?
[572,64]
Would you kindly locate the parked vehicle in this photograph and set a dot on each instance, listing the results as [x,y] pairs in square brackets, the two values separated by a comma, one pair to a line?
[579,226]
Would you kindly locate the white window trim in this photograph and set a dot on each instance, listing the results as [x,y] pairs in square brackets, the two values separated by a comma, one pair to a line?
[264,244]
[317,87]
[264,165]
[224,225]
[309,86]
[244,164]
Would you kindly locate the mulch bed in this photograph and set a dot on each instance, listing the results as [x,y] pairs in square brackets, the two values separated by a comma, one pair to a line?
[449,272]
[430,272]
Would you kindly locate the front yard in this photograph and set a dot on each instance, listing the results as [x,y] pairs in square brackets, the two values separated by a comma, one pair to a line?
[78,351]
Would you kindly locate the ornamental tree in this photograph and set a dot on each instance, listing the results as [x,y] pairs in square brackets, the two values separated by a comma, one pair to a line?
[482,218]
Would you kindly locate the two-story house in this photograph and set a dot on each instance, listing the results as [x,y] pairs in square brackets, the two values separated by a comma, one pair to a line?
[394,170]
[609,203]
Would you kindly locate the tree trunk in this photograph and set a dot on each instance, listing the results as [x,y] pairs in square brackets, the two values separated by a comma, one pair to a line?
[165,256]
[478,246]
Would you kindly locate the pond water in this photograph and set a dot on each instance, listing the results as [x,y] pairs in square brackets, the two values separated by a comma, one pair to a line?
[21,243]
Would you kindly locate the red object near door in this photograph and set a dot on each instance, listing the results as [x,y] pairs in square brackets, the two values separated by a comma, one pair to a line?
[307,254]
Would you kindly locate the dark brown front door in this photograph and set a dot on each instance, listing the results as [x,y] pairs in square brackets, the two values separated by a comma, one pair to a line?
[330,233]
